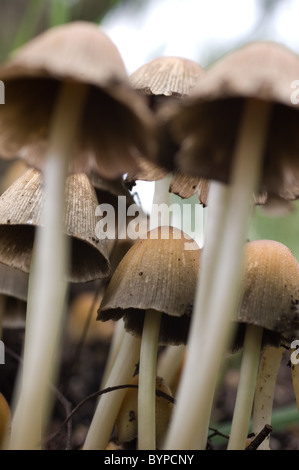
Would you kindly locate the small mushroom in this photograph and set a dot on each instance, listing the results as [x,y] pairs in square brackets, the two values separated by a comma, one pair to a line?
[152,290]
[163,80]
[268,310]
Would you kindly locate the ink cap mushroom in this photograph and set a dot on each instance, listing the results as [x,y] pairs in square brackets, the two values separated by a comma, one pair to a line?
[269,313]
[152,289]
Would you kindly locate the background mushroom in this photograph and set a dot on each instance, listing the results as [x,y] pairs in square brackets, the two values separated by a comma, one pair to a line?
[268,308]
[154,281]
[163,80]
[21,208]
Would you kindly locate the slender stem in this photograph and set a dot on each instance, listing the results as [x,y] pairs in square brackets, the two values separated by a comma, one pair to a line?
[246,388]
[47,284]
[264,393]
[108,406]
[161,197]
[218,199]
[147,381]
[197,388]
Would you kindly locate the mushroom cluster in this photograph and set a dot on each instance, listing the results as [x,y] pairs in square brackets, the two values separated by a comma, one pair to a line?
[87,132]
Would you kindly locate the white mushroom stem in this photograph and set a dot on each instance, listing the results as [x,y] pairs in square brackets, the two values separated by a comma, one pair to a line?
[246,387]
[47,284]
[199,379]
[161,199]
[147,381]
[218,198]
[264,392]
[108,406]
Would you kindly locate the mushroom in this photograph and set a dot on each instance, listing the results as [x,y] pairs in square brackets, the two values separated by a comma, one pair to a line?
[126,424]
[152,291]
[268,312]
[64,90]
[163,80]
[237,108]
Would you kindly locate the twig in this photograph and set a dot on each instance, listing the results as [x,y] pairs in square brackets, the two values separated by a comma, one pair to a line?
[261,436]
[159,393]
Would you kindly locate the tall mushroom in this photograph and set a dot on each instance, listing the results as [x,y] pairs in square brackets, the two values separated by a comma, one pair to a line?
[267,318]
[69,105]
[229,131]
[162,80]
[152,289]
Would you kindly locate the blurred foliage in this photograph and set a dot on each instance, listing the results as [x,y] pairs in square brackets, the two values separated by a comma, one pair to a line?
[20,20]
[284,229]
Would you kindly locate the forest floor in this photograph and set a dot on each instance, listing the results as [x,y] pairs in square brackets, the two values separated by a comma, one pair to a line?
[80,376]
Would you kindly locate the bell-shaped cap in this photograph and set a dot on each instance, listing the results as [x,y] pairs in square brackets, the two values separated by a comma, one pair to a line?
[159,273]
[116,124]
[270,292]
[21,212]
[167,76]
[163,80]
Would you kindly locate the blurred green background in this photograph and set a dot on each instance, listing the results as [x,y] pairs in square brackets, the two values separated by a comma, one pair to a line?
[22,19]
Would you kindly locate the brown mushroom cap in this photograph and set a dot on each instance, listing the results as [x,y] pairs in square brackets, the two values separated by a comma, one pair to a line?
[126,424]
[21,211]
[116,123]
[204,125]
[167,76]
[270,297]
[156,273]
[164,78]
